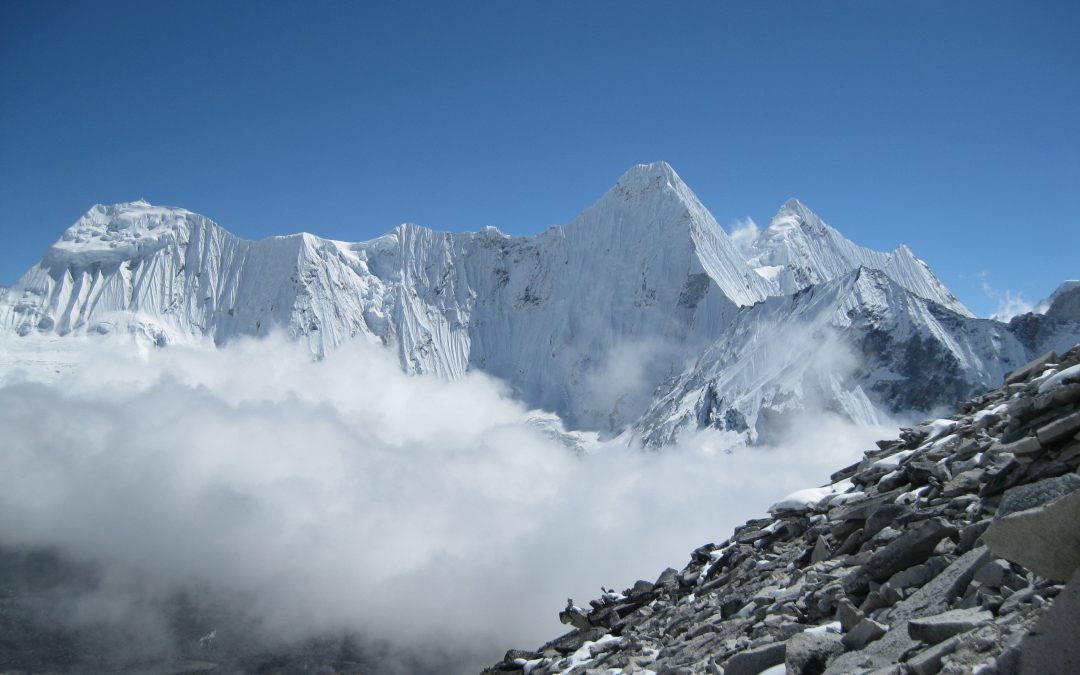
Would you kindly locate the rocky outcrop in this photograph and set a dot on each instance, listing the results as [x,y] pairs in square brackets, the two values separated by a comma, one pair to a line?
[942,551]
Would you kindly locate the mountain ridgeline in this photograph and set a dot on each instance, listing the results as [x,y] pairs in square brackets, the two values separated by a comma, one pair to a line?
[641,317]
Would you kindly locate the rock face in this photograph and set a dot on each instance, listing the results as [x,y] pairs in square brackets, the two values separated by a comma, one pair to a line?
[907,562]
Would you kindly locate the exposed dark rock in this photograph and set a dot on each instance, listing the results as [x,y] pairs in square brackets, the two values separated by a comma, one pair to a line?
[753,661]
[928,661]
[901,563]
[864,632]
[1053,646]
[934,629]
[1031,368]
[809,653]
[1025,497]
[911,548]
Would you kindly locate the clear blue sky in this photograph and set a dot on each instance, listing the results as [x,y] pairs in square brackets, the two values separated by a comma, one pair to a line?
[953,126]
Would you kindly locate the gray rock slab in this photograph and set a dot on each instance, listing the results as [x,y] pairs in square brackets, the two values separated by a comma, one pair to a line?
[928,662]
[865,632]
[941,627]
[935,595]
[911,548]
[1053,646]
[884,653]
[1045,539]
[932,598]
[1037,364]
[753,661]
[1059,429]
[809,653]
[848,614]
[821,550]
[993,573]
[917,575]
[1023,497]
[1014,601]
[1028,446]
[882,516]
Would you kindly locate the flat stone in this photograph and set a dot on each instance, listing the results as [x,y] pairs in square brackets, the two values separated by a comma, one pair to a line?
[1053,646]
[809,653]
[928,662]
[864,633]
[1028,445]
[821,550]
[753,661]
[970,534]
[993,573]
[879,656]
[1014,601]
[1059,429]
[911,548]
[848,614]
[917,575]
[967,481]
[935,596]
[940,627]
[881,517]
[1044,539]
[1037,364]
[1023,497]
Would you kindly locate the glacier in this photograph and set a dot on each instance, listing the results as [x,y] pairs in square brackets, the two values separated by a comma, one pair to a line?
[641,317]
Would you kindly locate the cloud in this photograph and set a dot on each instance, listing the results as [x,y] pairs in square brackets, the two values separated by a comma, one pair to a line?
[314,497]
[1008,305]
[744,232]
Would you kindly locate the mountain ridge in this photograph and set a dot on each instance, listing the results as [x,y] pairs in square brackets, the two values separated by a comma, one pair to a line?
[586,320]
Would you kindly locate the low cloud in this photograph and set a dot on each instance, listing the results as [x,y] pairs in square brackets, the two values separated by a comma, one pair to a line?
[343,495]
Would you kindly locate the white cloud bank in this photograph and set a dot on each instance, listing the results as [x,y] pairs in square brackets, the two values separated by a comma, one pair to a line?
[345,495]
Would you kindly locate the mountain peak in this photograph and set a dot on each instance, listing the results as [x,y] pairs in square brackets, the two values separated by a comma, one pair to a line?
[644,176]
[794,213]
[793,205]
[117,232]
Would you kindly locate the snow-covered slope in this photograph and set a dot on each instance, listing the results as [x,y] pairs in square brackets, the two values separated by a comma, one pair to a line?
[860,345]
[798,249]
[172,274]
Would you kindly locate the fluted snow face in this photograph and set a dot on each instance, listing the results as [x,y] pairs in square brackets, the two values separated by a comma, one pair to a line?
[585,320]
[798,249]
[170,274]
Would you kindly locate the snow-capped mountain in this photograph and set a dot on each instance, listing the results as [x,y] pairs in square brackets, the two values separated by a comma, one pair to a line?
[798,249]
[643,290]
[859,345]
[1064,296]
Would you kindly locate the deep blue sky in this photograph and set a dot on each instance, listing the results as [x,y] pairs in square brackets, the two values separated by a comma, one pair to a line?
[949,126]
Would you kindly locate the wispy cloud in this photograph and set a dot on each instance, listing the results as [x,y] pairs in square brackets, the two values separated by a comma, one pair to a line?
[345,495]
[1008,304]
[744,232]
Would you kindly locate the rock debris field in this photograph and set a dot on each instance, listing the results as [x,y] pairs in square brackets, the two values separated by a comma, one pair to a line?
[953,549]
